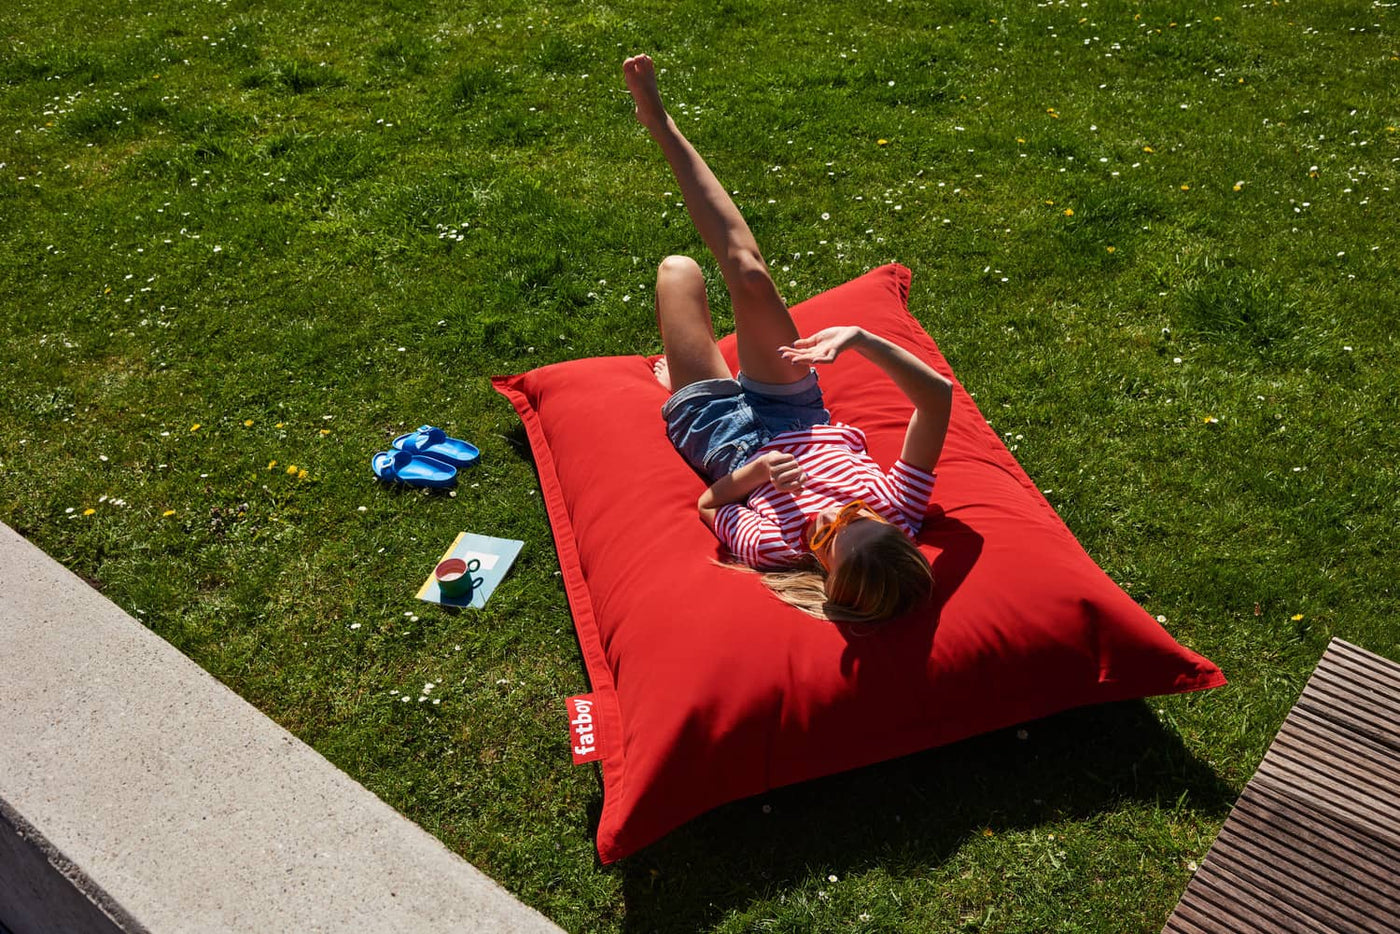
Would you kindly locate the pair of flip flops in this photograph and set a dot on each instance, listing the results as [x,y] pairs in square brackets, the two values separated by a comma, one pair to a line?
[426,457]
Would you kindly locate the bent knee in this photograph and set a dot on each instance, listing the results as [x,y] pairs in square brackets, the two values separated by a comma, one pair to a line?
[752,274]
[677,265]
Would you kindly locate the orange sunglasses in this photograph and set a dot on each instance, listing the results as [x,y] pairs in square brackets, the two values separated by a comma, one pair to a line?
[855,509]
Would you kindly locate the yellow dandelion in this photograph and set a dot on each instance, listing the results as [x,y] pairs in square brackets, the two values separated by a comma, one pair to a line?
[1148,149]
[292,469]
[1217,19]
[301,474]
[194,427]
[168,513]
[107,291]
[1185,187]
[89,511]
[986,831]
[1237,186]
[325,431]
[1069,212]
[278,425]
[1297,616]
[882,142]
[247,423]
[1210,420]
[1019,140]
[271,464]
[1112,249]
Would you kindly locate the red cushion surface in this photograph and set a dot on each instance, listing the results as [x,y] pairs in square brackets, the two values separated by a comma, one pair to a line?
[709,689]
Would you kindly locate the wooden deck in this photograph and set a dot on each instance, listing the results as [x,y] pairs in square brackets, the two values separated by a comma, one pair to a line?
[1313,844]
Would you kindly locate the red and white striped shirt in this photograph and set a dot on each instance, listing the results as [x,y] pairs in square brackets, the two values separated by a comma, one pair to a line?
[766,531]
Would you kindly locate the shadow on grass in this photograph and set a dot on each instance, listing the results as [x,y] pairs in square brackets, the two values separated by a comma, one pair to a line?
[906,816]
[519,440]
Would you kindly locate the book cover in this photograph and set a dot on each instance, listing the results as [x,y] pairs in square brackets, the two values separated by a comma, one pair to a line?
[495,555]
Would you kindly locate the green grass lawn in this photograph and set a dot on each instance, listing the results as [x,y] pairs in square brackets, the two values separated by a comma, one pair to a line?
[1157,241]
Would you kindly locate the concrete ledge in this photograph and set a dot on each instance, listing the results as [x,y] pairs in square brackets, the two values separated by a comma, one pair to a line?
[138,793]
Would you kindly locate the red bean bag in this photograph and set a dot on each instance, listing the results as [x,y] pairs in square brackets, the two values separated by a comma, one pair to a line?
[706,688]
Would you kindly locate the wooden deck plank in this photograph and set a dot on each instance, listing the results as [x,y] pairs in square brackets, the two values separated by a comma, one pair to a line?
[1365,845]
[1319,767]
[1201,915]
[1249,842]
[1339,799]
[1355,770]
[1287,892]
[1360,717]
[1245,901]
[1316,876]
[1313,843]
[1368,681]
[1225,913]
[1375,767]
[1357,863]
[1187,919]
[1353,658]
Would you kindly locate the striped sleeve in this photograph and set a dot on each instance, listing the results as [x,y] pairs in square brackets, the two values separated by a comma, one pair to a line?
[754,540]
[913,490]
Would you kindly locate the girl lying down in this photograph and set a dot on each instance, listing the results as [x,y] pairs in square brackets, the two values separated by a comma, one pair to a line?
[791,494]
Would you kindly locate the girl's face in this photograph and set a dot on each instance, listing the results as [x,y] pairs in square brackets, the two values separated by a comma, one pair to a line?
[837,529]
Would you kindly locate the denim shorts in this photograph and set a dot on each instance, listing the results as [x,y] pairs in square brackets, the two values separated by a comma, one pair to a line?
[718,425]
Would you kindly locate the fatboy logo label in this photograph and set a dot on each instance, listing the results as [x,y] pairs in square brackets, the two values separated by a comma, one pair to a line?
[583,729]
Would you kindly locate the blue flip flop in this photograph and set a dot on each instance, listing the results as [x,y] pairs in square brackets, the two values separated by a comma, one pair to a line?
[434,442]
[413,470]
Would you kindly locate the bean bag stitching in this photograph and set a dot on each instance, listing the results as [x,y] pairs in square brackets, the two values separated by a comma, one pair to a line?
[612,742]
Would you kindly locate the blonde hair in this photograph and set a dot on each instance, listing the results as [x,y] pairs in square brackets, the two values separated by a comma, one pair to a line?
[884,577]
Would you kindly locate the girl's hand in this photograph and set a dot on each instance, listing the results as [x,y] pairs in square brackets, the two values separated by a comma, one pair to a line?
[822,347]
[784,472]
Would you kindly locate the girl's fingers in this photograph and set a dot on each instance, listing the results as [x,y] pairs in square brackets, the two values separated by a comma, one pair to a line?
[788,484]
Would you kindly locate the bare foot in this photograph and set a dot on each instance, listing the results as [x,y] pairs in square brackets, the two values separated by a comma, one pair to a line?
[662,371]
[640,75]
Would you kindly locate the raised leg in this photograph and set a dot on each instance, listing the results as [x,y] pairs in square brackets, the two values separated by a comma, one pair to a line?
[687,334]
[761,320]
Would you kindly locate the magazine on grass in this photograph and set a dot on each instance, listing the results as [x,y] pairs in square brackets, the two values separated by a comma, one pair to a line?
[487,558]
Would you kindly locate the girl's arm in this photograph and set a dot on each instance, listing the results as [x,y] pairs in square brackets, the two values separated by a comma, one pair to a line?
[931,392]
[782,470]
